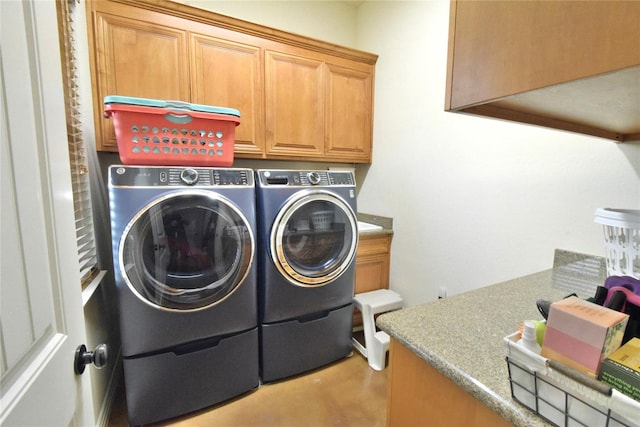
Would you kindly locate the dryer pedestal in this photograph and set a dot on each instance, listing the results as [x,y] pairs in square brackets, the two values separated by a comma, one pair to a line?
[299,345]
[190,377]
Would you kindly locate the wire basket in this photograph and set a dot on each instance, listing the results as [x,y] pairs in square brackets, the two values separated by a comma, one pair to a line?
[152,132]
[559,399]
[621,240]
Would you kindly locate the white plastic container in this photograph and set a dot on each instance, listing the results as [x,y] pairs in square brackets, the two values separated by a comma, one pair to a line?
[621,240]
[529,339]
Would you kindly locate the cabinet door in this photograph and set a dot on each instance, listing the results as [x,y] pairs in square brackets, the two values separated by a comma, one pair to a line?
[418,391]
[372,263]
[294,102]
[501,48]
[136,58]
[349,119]
[372,266]
[372,273]
[228,74]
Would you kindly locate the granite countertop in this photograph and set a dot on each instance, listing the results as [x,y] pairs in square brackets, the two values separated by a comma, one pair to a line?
[462,335]
[384,222]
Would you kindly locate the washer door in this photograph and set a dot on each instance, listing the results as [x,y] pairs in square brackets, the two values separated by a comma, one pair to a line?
[314,238]
[186,251]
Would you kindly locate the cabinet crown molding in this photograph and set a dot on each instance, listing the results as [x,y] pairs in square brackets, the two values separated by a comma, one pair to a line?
[185,11]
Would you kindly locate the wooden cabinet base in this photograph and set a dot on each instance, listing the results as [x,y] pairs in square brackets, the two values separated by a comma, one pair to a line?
[419,395]
[373,259]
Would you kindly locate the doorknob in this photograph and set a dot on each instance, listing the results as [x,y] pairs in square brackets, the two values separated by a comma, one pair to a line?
[99,357]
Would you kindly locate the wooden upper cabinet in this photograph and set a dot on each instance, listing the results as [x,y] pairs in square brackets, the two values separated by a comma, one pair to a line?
[349,109]
[331,105]
[226,73]
[572,65]
[136,58]
[299,98]
[294,104]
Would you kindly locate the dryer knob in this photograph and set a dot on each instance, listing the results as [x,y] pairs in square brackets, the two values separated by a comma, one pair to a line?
[314,178]
[189,176]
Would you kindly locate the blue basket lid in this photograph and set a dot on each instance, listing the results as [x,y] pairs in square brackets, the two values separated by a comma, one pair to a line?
[146,102]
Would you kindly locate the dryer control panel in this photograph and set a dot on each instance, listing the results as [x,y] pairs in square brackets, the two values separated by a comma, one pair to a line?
[157,176]
[305,178]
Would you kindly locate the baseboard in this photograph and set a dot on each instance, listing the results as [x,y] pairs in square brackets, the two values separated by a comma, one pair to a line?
[112,392]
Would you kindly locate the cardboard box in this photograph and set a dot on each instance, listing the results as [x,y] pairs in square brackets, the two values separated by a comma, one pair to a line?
[582,334]
[621,370]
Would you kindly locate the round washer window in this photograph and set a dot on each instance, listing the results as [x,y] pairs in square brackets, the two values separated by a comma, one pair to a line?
[314,239]
[186,251]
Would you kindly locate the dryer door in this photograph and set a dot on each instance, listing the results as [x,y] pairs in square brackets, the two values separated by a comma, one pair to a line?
[186,251]
[314,238]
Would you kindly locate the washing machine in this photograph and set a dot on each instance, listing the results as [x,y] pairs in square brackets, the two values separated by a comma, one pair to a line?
[307,241]
[185,269]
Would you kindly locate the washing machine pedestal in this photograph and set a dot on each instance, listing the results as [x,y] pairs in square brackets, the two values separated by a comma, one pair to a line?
[190,377]
[295,346]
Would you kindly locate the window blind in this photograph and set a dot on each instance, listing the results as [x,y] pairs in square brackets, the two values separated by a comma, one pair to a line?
[67,15]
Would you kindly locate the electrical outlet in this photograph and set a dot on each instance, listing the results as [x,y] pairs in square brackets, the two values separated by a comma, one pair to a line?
[442,292]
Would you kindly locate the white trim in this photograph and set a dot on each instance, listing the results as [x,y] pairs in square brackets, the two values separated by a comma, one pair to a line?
[111,394]
[88,292]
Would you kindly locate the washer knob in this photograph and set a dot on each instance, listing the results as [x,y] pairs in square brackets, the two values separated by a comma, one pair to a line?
[189,176]
[314,178]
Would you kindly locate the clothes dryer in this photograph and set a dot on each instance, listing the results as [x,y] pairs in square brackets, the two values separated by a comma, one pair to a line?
[307,241]
[183,246]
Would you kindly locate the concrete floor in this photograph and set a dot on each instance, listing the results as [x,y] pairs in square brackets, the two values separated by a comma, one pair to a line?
[346,393]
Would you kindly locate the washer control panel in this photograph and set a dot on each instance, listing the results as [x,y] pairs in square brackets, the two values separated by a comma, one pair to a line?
[157,176]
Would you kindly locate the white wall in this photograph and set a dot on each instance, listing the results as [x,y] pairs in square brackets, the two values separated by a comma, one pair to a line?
[330,21]
[482,200]
[475,201]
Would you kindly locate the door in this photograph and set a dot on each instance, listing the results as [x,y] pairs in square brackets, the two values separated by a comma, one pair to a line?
[186,250]
[42,321]
[314,238]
